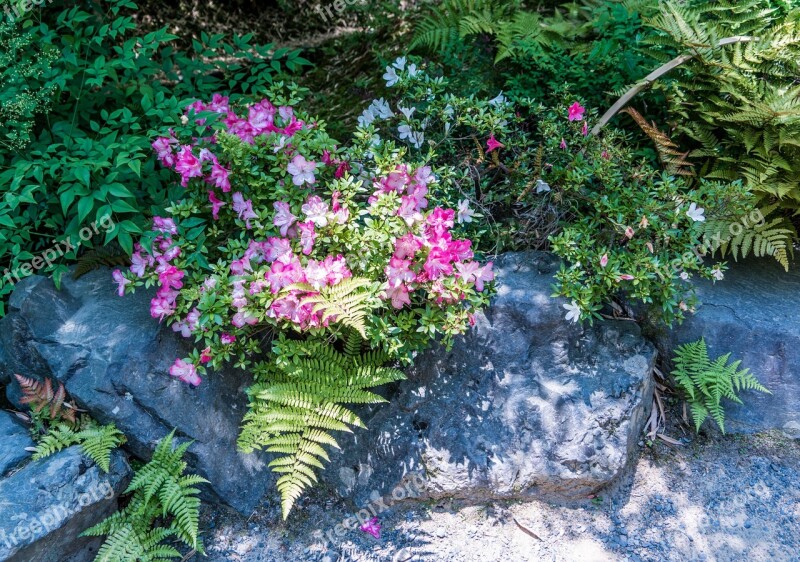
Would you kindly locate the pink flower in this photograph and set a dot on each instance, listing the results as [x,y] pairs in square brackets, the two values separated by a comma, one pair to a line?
[219,177]
[438,263]
[576,112]
[605,155]
[407,246]
[227,339]
[186,372]
[261,116]
[341,169]
[626,277]
[585,129]
[399,271]
[467,271]
[337,269]
[493,143]
[316,210]
[121,281]
[285,271]
[307,236]
[244,317]
[396,181]
[163,148]
[604,260]
[424,175]
[484,275]
[283,217]
[629,233]
[461,250]
[216,204]
[205,355]
[302,170]
[188,165]
[563,144]
[166,226]
[219,104]
[139,264]
[170,277]
[372,527]
[399,296]
[408,210]
[274,248]
[243,208]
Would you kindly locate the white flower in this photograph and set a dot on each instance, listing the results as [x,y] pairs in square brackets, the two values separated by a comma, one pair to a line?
[465,214]
[717,273]
[400,63]
[376,140]
[366,118]
[573,311]
[684,276]
[417,139]
[406,111]
[405,132]
[448,110]
[500,99]
[391,77]
[412,70]
[280,144]
[696,213]
[302,170]
[381,109]
[542,186]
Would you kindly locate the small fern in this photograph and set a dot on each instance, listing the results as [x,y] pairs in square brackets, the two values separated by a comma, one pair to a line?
[772,238]
[43,400]
[160,490]
[674,161]
[96,441]
[707,382]
[297,400]
[346,303]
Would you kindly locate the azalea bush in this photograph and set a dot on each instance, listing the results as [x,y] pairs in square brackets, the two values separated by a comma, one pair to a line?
[277,245]
[539,179]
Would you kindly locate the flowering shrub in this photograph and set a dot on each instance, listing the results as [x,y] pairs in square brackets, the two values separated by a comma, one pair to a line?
[542,181]
[274,236]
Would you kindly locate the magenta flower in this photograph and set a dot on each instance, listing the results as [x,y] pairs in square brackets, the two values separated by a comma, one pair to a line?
[205,355]
[316,210]
[407,246]
[243,317]
[140,264]
[372,527]
[341,169]
[219,177]
[188,165]
[216,204]
[166,226]
[307,236]
[576,112]
[438,263]
[261,116]
[302,170]
[563,144]
[585,129]
[227,339]
[170,277]
[484,275]
[121,281]
[163,148]
[244,208]
[283,217]
[493,143]
[186,372]
[275,248]
[626,277]
[337,269]
[399,271]
[285,271]
[604,260]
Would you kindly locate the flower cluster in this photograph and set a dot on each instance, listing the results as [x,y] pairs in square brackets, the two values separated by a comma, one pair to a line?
[251,249]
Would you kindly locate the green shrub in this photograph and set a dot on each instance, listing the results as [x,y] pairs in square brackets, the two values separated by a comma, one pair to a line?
[620,224]
[707,382]
[89,155]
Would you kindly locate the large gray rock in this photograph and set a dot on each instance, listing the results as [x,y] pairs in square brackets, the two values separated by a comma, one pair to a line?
[525,405]
[48,503]
[114,360]
[752,313]
[14,439]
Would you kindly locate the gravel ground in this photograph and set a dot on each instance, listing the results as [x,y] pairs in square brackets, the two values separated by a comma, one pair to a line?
[714,499]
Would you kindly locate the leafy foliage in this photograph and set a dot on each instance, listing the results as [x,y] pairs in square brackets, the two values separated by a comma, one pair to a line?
[99,91]
[737,103]
[161,493]
[298,399]
[672,159]
[761,238]
[47,404]
[96,441]
[707,382]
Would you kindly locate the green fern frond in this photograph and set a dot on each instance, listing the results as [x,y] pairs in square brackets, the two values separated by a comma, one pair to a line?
[96,441]
[299,399]
[707,382]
